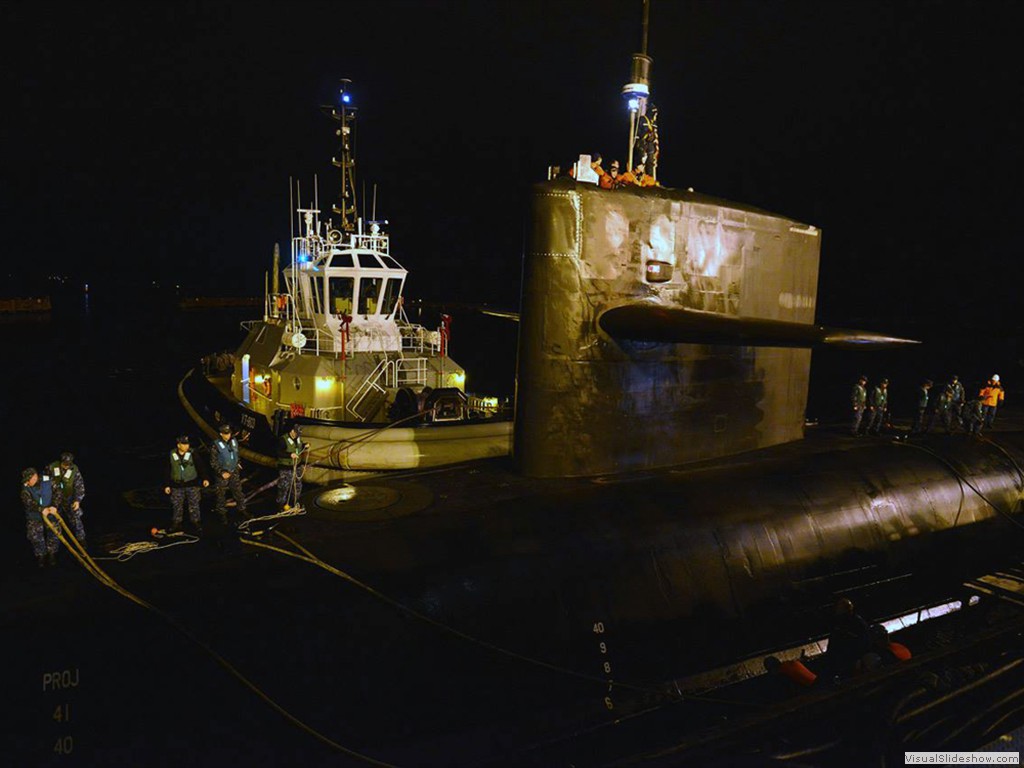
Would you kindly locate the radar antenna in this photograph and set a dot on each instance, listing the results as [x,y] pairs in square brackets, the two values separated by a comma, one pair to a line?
[344,114]
[638,90]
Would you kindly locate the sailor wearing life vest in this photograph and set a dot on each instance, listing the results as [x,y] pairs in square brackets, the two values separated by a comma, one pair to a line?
[183,484]
[39,496]
[226,472]
[991,397]
[66,474]
[290,450]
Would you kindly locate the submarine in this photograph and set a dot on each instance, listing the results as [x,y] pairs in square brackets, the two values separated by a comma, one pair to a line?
[604,597]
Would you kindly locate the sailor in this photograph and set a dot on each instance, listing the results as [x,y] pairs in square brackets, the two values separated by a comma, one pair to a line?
[647,144]
[921,422]
[290,452]
[637,177]
[595,165]
[958,398]
[226,465]
[72,490]
[183,481]
[944,408]
[859,400]
[848,642]
[991,396]
[609,177]
[974,416]
[40,496]
[877,404]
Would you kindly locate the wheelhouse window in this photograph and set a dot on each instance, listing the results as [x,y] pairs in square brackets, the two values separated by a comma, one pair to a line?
[339,298]
[369,295]
[392,290]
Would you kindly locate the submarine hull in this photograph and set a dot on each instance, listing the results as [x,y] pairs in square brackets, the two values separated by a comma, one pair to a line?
[693,568]
[478,609]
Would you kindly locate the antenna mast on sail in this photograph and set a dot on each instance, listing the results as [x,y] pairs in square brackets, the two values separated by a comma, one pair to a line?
[638,89]
[345,114]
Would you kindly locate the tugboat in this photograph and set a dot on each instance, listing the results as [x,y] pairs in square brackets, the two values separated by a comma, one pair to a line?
[336,353]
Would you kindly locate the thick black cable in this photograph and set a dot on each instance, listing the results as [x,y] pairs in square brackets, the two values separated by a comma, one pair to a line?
[960,475]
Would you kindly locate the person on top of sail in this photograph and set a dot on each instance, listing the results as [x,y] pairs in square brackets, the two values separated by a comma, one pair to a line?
[609,177]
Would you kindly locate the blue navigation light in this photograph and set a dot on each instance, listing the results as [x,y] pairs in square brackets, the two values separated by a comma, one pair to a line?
[303,258]
[634,105]
[346,98]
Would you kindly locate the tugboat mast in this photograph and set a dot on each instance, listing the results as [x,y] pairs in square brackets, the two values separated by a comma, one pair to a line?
[638,89]
[344,113]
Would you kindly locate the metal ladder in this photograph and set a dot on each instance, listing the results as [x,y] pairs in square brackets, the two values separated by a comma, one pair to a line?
[371,385]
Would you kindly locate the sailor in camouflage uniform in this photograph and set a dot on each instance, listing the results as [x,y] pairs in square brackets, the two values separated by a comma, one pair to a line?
[66,474]
[858,400]
[289,453]
[224,459]
[877,404]
[183,481]
[40,495]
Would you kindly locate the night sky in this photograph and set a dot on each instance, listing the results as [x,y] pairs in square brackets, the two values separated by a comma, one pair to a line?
[155,142]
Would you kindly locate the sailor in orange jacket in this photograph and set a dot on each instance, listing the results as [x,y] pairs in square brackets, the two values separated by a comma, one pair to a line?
[610,177]
[637,177]
[991,396]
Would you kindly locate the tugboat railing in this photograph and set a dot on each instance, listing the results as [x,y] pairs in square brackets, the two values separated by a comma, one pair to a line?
[408,371]
[416,338]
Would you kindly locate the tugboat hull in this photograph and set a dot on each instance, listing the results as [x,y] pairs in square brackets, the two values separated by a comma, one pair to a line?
[342,450]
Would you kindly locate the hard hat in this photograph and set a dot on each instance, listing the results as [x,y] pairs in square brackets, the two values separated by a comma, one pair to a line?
[295,428]
[67,457]
[183,439]
[995,377]
[224,429]
[26,474]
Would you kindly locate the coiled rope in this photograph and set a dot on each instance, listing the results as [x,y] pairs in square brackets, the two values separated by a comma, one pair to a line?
[963,479]
[131,549]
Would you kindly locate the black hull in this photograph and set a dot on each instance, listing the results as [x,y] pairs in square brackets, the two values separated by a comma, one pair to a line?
[208,407]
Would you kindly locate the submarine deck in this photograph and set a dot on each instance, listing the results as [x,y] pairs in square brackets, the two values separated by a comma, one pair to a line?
[390,678]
